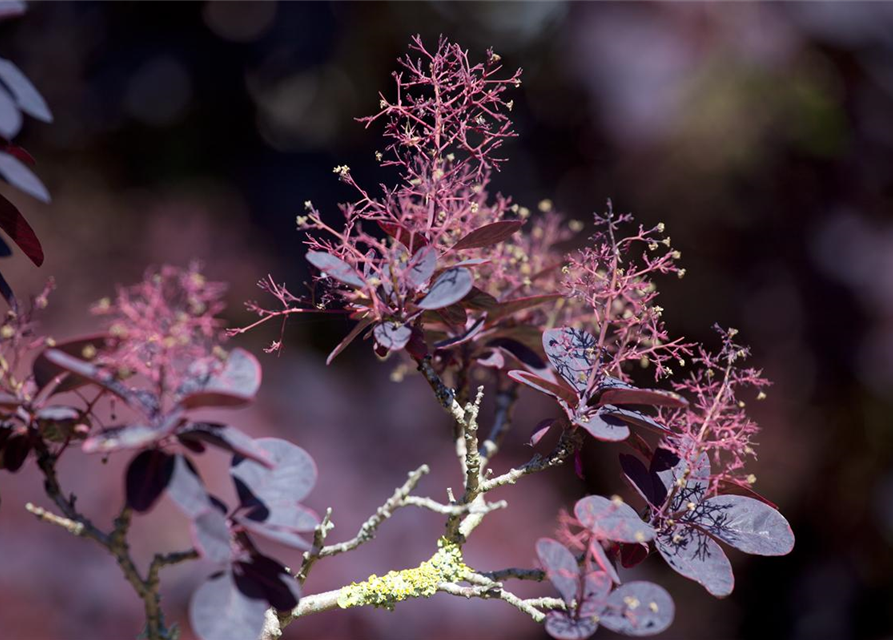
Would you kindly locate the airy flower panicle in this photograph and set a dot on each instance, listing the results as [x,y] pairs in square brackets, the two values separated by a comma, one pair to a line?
[164,327]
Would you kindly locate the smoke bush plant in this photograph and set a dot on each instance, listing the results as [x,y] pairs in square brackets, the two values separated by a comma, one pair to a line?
[456,283]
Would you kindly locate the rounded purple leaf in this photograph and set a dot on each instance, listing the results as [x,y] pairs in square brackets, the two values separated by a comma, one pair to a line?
[561,568]
[746,524]
[290,479]
[638,609]
[219,610]
[449,288]
[612,520]
[147,477]
[335,268]
[211,533]
[697,556]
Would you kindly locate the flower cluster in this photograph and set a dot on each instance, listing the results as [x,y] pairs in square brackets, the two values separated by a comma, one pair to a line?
[164,329]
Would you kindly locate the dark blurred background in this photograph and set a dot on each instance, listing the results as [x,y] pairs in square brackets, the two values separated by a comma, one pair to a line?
[762,135]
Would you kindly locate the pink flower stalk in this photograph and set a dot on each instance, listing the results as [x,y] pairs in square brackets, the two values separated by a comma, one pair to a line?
[165,328]
[619,294]
[716,422]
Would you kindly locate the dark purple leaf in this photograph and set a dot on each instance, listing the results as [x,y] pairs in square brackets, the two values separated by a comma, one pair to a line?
[6,291]
[392,335]
[187,490]
[744,523]
[638,476]
[15,452]
[638,609]
[453,315]
[652,397]
[19,231]
[412,240]
[630,416]
[45,371]
[479,300]
[359,327]
[10,116]
[468,335]
[563,626]
[9,401]
[142,402]
[527,357]
[540,431]
[632,554]
[220,610]
[696,556]
[335,268]
[544,386]
[573,354]
[133,436]
[508,307]
[212,536]
[26,96]
[280,535]
[225,437]
[147,477]
[561,568]
[489,234]
[450,287]
[612,520]
[290,480]
[269,577]
[421,267]
[18,175]
[602,425]
[234,385]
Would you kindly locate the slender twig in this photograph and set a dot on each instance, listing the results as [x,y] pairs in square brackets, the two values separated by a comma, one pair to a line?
[568,443]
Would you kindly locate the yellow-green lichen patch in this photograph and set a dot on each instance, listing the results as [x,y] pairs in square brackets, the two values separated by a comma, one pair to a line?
[421,582]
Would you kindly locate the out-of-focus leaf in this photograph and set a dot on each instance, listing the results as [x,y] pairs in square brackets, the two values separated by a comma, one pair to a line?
[638,609]
[10,116]
[27,97]
[147,477]
[573,354]
[187,490]
[544,386]
[696,556]
[7,293]
[234,385]
[132,436]
[15,452]
[269,577]
[44,370]
[479,300]
[561,568]
[11,9]
[450,287]
[602,560]
[17,228]
[489,234]
[454,315]
[211,535]
[527,357]
[391,335]
[57,423]
[220,610]
[225,437]
[335,268]
[612,520]
[289,480]
[508,307]
[745,523]
[21,177]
